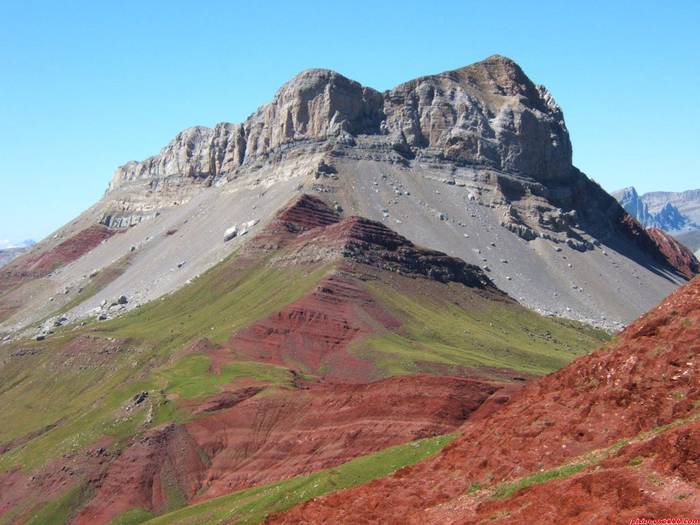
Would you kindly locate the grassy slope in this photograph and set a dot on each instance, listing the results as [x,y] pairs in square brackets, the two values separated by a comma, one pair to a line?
[99,281]
[442,325]
[454,327]
[254,504]
[41,387]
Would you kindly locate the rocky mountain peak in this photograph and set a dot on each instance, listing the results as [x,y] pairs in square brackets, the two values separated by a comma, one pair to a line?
[314,105]
[663,210]
[488,114]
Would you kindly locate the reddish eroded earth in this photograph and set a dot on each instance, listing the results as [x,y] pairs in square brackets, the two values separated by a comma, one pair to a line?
[680,257]
[279,435]
[301,215]
[647,378]
[310,232]
[661,246]
[53,480]
[38,264]
[315,331]
[161,463]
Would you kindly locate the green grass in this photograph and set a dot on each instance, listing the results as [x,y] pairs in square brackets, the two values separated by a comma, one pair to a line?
[476,333]
[635,461]
[45,386]
[132,517]
[253,505]
[190,377]
[216,304]
[61,510]
[474,487]
[442,326]
[506,490]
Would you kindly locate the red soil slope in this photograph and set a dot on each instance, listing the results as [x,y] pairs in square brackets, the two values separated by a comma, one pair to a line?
[272,437]
[303,214]
[315,331]
[312,233]
[660,246]
[680,257]
[38,264]
[646,379]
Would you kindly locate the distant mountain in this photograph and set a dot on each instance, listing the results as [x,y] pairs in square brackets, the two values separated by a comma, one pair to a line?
[686,202]
[10,251]
[6,245]
[667,211]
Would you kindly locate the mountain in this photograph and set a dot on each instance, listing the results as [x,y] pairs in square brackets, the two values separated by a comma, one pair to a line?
[661,212]
[326,346]
[686,202]
[671,212]
[612,437]
[474,162]
[636,207]
[344,285]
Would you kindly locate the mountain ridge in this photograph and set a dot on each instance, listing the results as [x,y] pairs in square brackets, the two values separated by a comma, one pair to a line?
[673,212]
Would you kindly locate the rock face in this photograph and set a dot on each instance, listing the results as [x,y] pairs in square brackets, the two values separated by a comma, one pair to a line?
[487,114]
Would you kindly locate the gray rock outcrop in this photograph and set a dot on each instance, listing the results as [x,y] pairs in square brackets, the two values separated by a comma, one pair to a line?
[488,114]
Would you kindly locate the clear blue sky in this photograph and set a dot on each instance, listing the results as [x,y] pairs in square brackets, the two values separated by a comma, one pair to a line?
[87,86]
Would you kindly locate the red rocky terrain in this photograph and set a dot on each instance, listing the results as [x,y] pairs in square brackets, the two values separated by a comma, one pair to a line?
[312,233]
[627,414]
[664,248]
[272,437]
[39,264]
[678,255]
[316,330]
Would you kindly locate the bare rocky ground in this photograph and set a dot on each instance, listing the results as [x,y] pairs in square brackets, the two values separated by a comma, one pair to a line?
[600,286]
